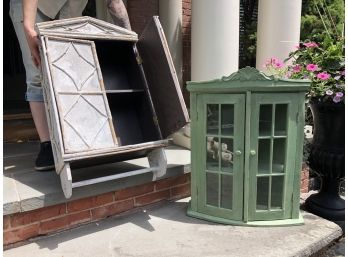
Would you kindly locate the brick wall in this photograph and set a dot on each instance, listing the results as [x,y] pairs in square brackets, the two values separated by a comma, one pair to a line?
[186,38]
[140,12]
[21,226]
[304,178]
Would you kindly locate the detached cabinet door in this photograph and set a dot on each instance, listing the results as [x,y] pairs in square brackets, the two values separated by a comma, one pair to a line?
[84,115]
[162,79]
[221,166]
[272,155]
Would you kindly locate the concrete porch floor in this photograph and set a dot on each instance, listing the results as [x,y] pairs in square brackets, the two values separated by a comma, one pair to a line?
[159,230]
[165,230]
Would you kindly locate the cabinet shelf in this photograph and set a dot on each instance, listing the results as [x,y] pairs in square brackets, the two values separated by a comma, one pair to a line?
[124,91]
[269,137]
[264,169]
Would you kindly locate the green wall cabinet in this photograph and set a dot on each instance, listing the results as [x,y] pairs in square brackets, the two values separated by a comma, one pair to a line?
[246,156]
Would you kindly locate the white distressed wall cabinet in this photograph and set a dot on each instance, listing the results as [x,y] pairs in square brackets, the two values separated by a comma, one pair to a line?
[109,96]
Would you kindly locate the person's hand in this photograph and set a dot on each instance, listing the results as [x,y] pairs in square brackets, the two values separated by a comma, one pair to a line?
[33,43]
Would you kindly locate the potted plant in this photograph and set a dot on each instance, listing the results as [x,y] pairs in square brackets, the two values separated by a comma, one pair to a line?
[324,65]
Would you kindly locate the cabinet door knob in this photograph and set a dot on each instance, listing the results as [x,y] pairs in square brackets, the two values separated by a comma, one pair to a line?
[238,152]
[252,152]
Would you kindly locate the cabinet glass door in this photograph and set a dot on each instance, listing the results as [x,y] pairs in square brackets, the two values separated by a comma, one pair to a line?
[272,155]
[221,134]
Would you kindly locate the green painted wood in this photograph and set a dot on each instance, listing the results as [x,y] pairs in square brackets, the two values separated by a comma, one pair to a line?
[291,152]
[194,152]
[273,223]
[238,101]
[248,79]
[247,90]
[299,155]
[248,109]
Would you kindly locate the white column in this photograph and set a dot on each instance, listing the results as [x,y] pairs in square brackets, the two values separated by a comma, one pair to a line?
[170,14]
[278,29]
[215,38]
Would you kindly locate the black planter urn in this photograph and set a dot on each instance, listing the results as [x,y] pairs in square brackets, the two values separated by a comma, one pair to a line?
[327,159]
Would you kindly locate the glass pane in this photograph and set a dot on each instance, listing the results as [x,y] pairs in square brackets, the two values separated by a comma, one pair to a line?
[227,155]
[265,120]
[281,117]
[264,154]
[212,153]
[226,191]
[212,189]
[277,192]
[279,147]
[262,193]
[227,119]
[213,119]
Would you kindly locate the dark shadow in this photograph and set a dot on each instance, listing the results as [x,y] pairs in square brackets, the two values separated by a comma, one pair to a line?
[174,211]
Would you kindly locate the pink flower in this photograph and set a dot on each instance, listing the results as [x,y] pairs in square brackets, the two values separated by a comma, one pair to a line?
[310,44]
[323,76]
[339,94]
[268,62]
[297,68]
[278,64]
[274,60]
[312,67]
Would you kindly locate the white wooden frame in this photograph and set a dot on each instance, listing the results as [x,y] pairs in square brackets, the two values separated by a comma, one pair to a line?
[156,156]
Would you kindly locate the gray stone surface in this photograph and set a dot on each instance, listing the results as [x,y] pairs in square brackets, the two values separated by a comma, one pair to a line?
[11,202]
[26,189]
[16,149]
[165,230]
[337,249]
[19,164]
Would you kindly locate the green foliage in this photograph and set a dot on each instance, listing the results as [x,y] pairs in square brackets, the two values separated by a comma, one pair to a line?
[248,39]
[320,17]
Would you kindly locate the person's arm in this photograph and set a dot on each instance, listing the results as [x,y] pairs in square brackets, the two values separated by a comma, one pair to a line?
[118,13]
[29,18]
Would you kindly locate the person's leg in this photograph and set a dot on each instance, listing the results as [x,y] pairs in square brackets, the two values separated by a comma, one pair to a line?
[39,117]
[34,90]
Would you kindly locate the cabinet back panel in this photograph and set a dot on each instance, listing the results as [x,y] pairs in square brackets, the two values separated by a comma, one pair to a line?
[132,118]
[118,65]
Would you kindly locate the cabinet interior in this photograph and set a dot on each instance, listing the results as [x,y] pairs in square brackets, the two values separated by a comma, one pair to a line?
[126,92]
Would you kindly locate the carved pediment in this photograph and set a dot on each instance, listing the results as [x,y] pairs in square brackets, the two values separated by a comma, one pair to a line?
[247,73]
[85,27]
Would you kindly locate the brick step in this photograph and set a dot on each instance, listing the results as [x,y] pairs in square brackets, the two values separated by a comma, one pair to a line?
[19,127]
[18,227]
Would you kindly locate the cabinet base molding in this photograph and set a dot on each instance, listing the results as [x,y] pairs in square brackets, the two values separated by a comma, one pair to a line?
[263,223]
